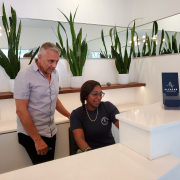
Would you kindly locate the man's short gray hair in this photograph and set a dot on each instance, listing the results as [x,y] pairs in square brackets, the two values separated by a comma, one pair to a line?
[51,46]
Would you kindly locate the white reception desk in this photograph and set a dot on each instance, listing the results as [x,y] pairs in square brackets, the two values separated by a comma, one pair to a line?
[109,163]
[151,131]
[151,143]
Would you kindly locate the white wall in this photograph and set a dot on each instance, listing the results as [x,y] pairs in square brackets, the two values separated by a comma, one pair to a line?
[102,70]
[148,70]
[168,24]
[154,9]
[107,12]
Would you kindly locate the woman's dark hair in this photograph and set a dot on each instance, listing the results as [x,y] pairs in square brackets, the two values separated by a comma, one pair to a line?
[86,88]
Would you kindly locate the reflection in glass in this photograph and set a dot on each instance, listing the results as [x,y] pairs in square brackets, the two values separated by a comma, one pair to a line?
[95,54]
[36,32]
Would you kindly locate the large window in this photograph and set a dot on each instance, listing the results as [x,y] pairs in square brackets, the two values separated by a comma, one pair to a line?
[95,54]
[20,52]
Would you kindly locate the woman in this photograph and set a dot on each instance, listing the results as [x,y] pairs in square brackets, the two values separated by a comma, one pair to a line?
[91,123]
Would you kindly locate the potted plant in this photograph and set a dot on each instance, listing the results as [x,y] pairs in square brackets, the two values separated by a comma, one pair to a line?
[11,64]
[123,63]
[76,56]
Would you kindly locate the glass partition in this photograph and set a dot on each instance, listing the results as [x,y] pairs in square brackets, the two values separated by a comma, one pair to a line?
[35,32]
[170,25]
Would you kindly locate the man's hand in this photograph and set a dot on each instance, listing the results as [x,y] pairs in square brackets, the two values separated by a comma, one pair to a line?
[28,124]
[41,147]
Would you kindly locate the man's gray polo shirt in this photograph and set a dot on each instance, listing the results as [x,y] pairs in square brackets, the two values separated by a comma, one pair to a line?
[31,84]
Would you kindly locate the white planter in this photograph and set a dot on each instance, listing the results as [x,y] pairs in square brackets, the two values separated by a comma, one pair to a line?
[76,81]
[123,78]
[11,85]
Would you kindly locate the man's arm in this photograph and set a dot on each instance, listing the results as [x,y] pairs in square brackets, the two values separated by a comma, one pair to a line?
[61,109]
[28,124]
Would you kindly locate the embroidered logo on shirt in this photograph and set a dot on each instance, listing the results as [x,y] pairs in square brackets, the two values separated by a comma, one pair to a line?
[104,120]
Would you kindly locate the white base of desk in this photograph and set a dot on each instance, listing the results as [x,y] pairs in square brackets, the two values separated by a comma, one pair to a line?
[151,131]
[149,144]
[13,156]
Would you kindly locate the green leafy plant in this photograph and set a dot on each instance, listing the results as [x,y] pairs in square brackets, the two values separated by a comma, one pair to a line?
[103,54]
[11,63]
[154,34]
[32,55]
[123,63]
[113,34]
[162,38]
[144,49]
[76,56]
[150,42]
[165,50]
[138,53]
[174,43]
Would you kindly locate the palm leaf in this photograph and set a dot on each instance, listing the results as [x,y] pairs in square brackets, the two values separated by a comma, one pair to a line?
[62,27]
[118,61]
[4,62]
[154,48]
[126,60]
[64,15]
[110,34]
[59,36]
[149,46]
[75,14]
[5,22]
[102,37]
[74,62]
[162,37]
[174,43]
[18,38]
[72,29]
[144,49]
[168,40]
[33,55]
[30,54]
[83,57]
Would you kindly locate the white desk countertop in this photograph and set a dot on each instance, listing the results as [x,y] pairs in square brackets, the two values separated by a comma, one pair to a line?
[112,162]
[11,126]
[151,117]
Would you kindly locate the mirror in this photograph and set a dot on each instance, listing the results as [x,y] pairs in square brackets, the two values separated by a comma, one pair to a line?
[170,25]
[35,32]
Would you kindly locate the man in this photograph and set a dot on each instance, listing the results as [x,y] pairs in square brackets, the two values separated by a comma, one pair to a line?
[35,92]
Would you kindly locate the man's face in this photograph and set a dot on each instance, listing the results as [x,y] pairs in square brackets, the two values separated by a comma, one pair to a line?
[47,61]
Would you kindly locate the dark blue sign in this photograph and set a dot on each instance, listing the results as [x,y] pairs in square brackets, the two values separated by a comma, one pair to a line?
[170,89]
[170,84]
